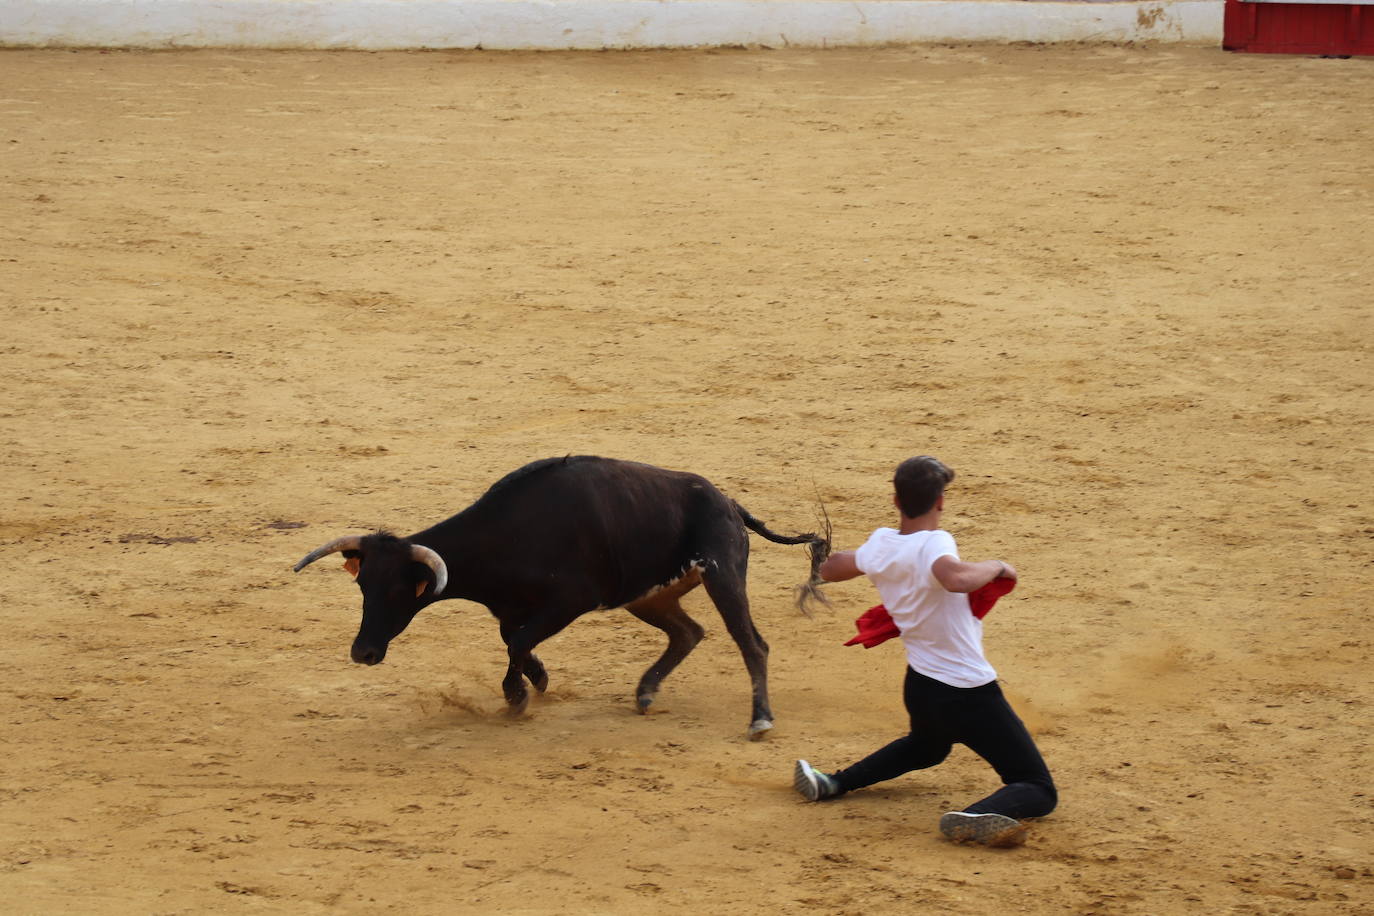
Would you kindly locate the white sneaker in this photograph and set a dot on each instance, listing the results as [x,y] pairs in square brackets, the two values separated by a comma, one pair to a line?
[812,784]
[988,829]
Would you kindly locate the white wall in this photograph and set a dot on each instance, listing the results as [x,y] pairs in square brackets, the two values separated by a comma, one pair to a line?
[593,24]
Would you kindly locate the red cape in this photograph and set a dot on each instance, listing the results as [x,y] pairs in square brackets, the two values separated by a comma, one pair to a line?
[876,626]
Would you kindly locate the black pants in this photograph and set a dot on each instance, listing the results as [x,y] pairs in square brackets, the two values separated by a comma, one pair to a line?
[979,718]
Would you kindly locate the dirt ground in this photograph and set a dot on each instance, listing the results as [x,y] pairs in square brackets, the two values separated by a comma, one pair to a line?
[253,301]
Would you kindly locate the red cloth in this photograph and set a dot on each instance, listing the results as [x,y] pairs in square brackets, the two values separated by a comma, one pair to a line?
[981,600]
[876,626]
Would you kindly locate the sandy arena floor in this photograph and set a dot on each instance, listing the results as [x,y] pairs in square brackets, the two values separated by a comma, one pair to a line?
[252,301]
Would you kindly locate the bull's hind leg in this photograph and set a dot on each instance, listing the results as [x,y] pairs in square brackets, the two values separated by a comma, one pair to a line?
[726,587]
[663,609]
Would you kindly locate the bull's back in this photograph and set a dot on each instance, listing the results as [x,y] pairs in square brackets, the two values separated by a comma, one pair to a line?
[601,525]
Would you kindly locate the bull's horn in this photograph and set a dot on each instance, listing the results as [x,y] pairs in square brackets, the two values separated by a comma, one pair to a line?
[351,542]
[435,562]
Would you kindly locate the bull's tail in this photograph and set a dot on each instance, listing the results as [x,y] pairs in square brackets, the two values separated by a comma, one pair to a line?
[817,546]
[760,528]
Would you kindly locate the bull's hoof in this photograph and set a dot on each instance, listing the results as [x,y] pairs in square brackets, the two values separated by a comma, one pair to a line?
[643,702]
[516,706]
[759,728]
[540,681]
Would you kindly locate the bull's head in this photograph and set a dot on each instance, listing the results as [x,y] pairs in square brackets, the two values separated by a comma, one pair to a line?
[397,579]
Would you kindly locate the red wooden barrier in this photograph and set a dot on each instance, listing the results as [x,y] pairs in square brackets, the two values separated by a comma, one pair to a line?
[1331,29]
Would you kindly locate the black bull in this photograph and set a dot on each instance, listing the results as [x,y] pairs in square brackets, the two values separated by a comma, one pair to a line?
[564,536]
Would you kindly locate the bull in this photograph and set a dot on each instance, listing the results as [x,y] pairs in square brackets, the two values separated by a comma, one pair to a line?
[562,537]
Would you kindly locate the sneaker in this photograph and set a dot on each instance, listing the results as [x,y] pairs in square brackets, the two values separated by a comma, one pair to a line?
[988,829]
[812,784]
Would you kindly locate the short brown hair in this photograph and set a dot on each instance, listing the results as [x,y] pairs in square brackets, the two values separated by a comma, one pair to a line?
[919,482]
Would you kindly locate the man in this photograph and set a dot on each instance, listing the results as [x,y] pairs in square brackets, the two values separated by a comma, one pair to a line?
[951,692]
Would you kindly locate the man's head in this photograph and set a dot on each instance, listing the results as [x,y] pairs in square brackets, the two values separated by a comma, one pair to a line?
[919,483]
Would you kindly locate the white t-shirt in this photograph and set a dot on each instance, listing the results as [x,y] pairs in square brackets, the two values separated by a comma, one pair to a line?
[942,637]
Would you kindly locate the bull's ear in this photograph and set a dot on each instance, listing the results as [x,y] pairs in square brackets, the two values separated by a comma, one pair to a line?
[422,576]
[353,564]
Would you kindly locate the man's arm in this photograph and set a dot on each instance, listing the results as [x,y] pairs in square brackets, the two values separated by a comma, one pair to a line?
[840,566]
[958,576]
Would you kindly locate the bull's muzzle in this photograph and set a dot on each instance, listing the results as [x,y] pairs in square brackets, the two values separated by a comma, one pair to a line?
[367,654]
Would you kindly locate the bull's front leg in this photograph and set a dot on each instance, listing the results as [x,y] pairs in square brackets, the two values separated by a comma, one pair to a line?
[520,642]
[535,673]
[513,685]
